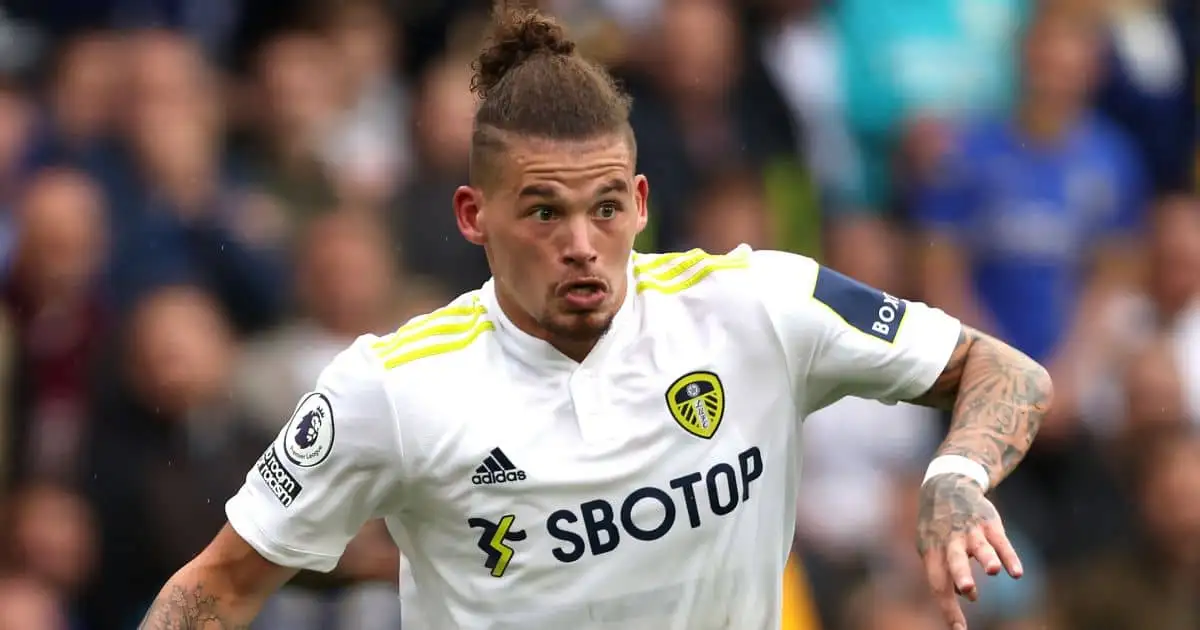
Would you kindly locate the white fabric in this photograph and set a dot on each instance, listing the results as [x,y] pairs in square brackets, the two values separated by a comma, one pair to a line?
[624,519]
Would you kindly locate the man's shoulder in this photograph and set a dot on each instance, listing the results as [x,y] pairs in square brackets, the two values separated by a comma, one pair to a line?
[443,333]
[739,275]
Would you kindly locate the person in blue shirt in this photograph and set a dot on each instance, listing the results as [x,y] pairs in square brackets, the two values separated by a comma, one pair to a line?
[904,69]
[1031,220]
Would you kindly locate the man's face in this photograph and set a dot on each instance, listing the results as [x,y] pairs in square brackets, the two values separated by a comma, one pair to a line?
[558,223]
[1060,61]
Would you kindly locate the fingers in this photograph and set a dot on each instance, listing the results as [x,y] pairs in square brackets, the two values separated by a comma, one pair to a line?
[944,593]
[983,552]
[1004,549]
[958,563]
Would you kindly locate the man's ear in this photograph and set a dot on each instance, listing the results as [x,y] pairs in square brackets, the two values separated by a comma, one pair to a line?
[641,195]
[468,212]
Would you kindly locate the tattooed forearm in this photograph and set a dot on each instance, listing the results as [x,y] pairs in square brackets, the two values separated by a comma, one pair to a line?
[190,608]
[998,397]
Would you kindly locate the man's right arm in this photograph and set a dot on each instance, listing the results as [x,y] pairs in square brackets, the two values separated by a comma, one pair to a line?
[223,588]
[328,472]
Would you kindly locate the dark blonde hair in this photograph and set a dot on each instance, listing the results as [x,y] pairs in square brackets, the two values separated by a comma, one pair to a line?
[531,82]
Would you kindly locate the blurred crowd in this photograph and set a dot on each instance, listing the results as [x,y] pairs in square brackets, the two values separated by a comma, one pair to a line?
[202,201]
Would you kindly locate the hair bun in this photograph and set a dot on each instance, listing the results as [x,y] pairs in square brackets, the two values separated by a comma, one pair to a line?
[517,36]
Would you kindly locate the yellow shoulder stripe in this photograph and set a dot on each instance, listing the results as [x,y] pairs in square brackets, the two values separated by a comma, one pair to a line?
[445,330]
[672,273]
[661,260]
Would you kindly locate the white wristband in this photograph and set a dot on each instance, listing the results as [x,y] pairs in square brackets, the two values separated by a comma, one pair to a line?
[958,465]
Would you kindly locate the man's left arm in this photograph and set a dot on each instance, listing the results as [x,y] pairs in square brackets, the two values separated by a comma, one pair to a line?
[997,397]
[844,338]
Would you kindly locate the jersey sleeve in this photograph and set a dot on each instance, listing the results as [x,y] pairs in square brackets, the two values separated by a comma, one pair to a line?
[844,338]
[328,471]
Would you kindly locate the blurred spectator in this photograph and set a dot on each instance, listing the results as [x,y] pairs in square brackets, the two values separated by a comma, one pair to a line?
[15,131]
[27,605]
[1154,389]
[1030,224]
[702,106]
[1163,312]
[1175,286]
[80,106]
[891,607]
[731,209]
[1152,582]
[347,286]
[422,223]
[802,52]
[1150,84]
[59,321]
[172,447]
[904,75]
[178,214]
[210,23]
[51,537]
[1163,309]
[603,29]
[368,150]
[935,61]
[295,106]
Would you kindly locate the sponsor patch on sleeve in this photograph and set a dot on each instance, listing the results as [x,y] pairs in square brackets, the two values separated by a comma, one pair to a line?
[279,481]
[864,308]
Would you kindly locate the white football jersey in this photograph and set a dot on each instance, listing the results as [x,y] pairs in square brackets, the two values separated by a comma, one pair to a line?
[652,486]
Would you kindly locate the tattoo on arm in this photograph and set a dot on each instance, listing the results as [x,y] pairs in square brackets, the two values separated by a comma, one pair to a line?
[189,608]
[998,397]
[950,505]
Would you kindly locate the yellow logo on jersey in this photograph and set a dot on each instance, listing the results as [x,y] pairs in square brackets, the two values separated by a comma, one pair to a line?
[697,402]
[493,542]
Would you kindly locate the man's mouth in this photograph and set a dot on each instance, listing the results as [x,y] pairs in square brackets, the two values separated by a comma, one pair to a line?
[583,294]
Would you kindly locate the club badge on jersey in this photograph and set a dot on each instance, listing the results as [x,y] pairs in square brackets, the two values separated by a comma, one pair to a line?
[309,435]
[697,402]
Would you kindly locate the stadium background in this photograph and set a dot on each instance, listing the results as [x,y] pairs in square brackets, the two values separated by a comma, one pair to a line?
[202,201]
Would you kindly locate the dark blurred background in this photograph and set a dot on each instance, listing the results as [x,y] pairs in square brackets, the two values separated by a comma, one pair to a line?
[202,201]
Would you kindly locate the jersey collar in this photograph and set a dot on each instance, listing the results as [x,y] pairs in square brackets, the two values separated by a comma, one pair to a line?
[539,353]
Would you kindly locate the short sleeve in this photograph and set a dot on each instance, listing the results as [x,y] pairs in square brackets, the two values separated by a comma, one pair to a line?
[844,338]
[328,471]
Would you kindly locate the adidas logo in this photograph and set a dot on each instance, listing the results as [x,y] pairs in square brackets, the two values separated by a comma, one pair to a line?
[497,468]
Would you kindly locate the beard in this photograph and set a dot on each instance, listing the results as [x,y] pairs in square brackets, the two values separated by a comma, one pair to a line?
[577,327]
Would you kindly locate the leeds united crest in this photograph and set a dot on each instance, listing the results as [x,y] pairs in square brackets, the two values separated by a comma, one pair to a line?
[697,402]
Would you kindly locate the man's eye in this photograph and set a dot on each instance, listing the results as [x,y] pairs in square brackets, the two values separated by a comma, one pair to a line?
[543,213]
[607,210]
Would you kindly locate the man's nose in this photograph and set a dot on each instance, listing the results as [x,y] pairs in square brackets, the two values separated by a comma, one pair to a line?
[579,244]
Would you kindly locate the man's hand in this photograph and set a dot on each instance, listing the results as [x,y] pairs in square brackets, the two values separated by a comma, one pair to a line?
[957,522]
